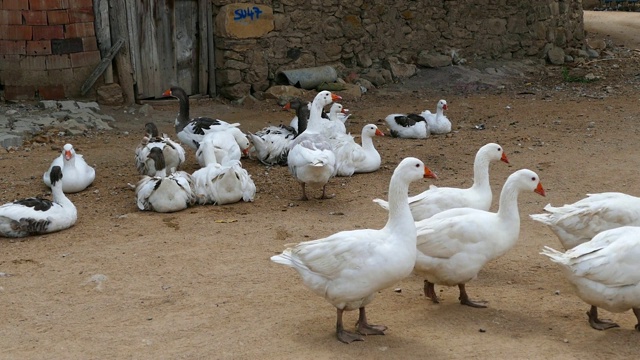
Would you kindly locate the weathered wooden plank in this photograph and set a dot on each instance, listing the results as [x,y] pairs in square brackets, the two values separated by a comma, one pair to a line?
[118,24]
[186,45]
[103,33]
[203,55]
[133,19]
[211,47]
[102,66]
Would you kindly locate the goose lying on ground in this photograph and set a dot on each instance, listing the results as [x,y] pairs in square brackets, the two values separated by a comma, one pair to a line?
[173,152]
[78,175]
[221,184]
[33,216]
[354,158]
[408,126]
[438,123]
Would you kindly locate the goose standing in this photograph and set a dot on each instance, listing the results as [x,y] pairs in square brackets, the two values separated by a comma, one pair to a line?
[353,158]
[348,268]
[408,126]
[33,216]
[191,131]
[455,244]
[78,175]
[478,196]
[311,159]
[438,123]
[579,222]
[221,184]
[164,193]
[173,152]
[605,272]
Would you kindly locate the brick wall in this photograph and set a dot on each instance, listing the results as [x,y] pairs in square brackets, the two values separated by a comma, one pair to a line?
[47,48]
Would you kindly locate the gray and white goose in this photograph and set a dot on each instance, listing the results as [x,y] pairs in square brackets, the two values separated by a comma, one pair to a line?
[173,152]
[34,215]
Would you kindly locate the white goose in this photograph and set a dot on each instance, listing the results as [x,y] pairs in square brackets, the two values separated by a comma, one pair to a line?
[335,126]
[605,272]
[173,152]
[191,131]
[348,268]
[409,126]
[164,193]
[353,158]
[271,144]
[224,144]
[478,196]
[223,184]
[311,159]
[579,222]
[33,216]
[77,173]
[455,244]
[438,122]
[303,109]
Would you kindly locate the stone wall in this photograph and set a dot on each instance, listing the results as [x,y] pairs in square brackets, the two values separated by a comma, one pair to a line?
[47,48]
[383,39]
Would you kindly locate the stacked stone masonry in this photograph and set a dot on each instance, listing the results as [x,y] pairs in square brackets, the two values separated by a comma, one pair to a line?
[383,39]
[47,48]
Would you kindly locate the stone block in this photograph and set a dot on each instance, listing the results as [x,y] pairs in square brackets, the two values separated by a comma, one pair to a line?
[88,105]
[58,62]
[15,4]
[84,29]
[81,15]
[433,60]
[66,46]
[244,20]
[228,77]
[110,94]
[7,140]
[48,104]
[555,55]
[400,70]
[67,105]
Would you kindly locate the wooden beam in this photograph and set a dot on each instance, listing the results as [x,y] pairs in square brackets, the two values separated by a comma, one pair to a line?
[118,23]
[103,33]
[102,66]
[211,47]
[133,25]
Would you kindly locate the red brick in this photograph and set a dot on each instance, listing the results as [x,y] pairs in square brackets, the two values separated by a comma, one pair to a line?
[58,62]
[12,92]
[79,30]
[51,92]
[75,4]
[81,15]
[89,44]
[33,63]
[10,17]
[15,32]
[40,47]
[35,17]
[48,32]
[10,62]
[87,58]
[15,4]
[46,4]
[9,47]
[58,17]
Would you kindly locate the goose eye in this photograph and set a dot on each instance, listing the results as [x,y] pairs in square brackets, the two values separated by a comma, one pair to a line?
[499,149]
[417,165]
[533,178]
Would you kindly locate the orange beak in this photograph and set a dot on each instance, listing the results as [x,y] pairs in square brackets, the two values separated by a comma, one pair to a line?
[539,189]
[335,97]
[245,152]
[287,106]
[167,93]
[67,155]
[504,158]
[345,111]
[445,107]
[379,133]
[429,174]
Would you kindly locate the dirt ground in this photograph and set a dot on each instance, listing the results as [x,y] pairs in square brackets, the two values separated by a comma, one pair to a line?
[127,284]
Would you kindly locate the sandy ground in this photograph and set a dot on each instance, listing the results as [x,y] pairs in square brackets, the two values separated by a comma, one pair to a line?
[126,284]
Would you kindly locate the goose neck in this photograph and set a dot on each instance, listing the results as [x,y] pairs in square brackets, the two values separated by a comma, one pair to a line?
[399,211]
[183,115]
[481,173]
[508,205]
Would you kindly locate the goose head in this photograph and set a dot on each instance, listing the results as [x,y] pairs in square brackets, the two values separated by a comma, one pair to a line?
[526,179]
[412,169]
[325,98]
[68,152]
[371,130]
[493,152]
[55,175]
[151,130]
[157,156]
[442,104]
